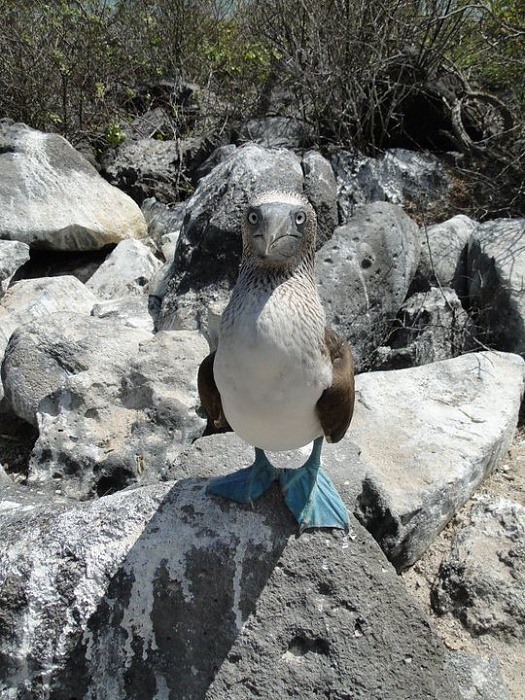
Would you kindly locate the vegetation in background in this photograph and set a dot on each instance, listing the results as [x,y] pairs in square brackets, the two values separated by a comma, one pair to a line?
[356,72]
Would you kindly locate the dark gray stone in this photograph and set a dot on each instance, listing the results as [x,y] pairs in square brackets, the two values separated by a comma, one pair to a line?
[146,167]
[417,181]
[162,220]
[496,271]
[277,132]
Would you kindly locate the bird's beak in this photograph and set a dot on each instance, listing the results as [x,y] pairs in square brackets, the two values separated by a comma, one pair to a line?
[276,227]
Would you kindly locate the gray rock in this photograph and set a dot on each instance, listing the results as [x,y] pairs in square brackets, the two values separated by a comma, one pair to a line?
[206,261]
[478,678]
[431,326]
[160,591]
[31,299]
[127,271]
[482,580]
[219,155]
[13,255]
[146,168]
[52,197]
[154,123]
[42,355]
[364,273]
[113,423]
[428,437]
[277,132]
[321,187]
[420,443]
[409,178]
[131,311]
[443,259]
[163,220]
[496,270]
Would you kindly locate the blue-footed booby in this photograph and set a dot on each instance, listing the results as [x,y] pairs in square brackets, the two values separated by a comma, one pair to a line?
[279,378]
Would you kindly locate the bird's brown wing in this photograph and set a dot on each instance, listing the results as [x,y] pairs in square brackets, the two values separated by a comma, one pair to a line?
[210,397]
[336,405]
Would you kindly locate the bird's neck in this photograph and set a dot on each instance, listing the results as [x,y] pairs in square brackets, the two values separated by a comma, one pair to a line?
[253,271]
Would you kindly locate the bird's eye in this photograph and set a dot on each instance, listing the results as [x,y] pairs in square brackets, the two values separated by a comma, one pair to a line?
[300,218]
[253,218]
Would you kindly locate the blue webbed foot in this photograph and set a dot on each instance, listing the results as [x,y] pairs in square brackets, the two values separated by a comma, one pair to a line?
[311,495]
[246,485]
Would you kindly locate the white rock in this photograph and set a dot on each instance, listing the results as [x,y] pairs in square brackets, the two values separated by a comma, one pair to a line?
[31,299]
[428,437]
[51,196]
[443,253]
[44,354]
[126,271]
[114,422]
[130,311]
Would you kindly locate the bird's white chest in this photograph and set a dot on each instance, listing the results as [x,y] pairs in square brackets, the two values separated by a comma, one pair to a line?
[270,369]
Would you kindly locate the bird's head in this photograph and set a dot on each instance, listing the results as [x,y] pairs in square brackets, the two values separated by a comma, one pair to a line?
[279,228]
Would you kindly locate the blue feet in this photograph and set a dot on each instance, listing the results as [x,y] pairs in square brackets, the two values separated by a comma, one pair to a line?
[311,496]
[309,492]
[248,484]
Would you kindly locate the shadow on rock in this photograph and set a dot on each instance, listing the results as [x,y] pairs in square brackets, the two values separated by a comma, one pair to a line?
[179,598]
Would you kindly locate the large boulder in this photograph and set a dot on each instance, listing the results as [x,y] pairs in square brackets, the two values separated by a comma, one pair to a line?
[428,436]
[208,252]
[496,270]
[164,592]
[52,197]
[364,273]
[115,420]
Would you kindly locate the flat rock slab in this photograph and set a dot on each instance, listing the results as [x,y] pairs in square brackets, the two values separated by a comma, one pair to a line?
[156,591]
[428,436]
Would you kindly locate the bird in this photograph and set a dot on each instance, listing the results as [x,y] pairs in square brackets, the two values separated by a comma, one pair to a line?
[279,377]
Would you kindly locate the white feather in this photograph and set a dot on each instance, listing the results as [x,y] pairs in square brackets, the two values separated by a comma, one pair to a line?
[270,368]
